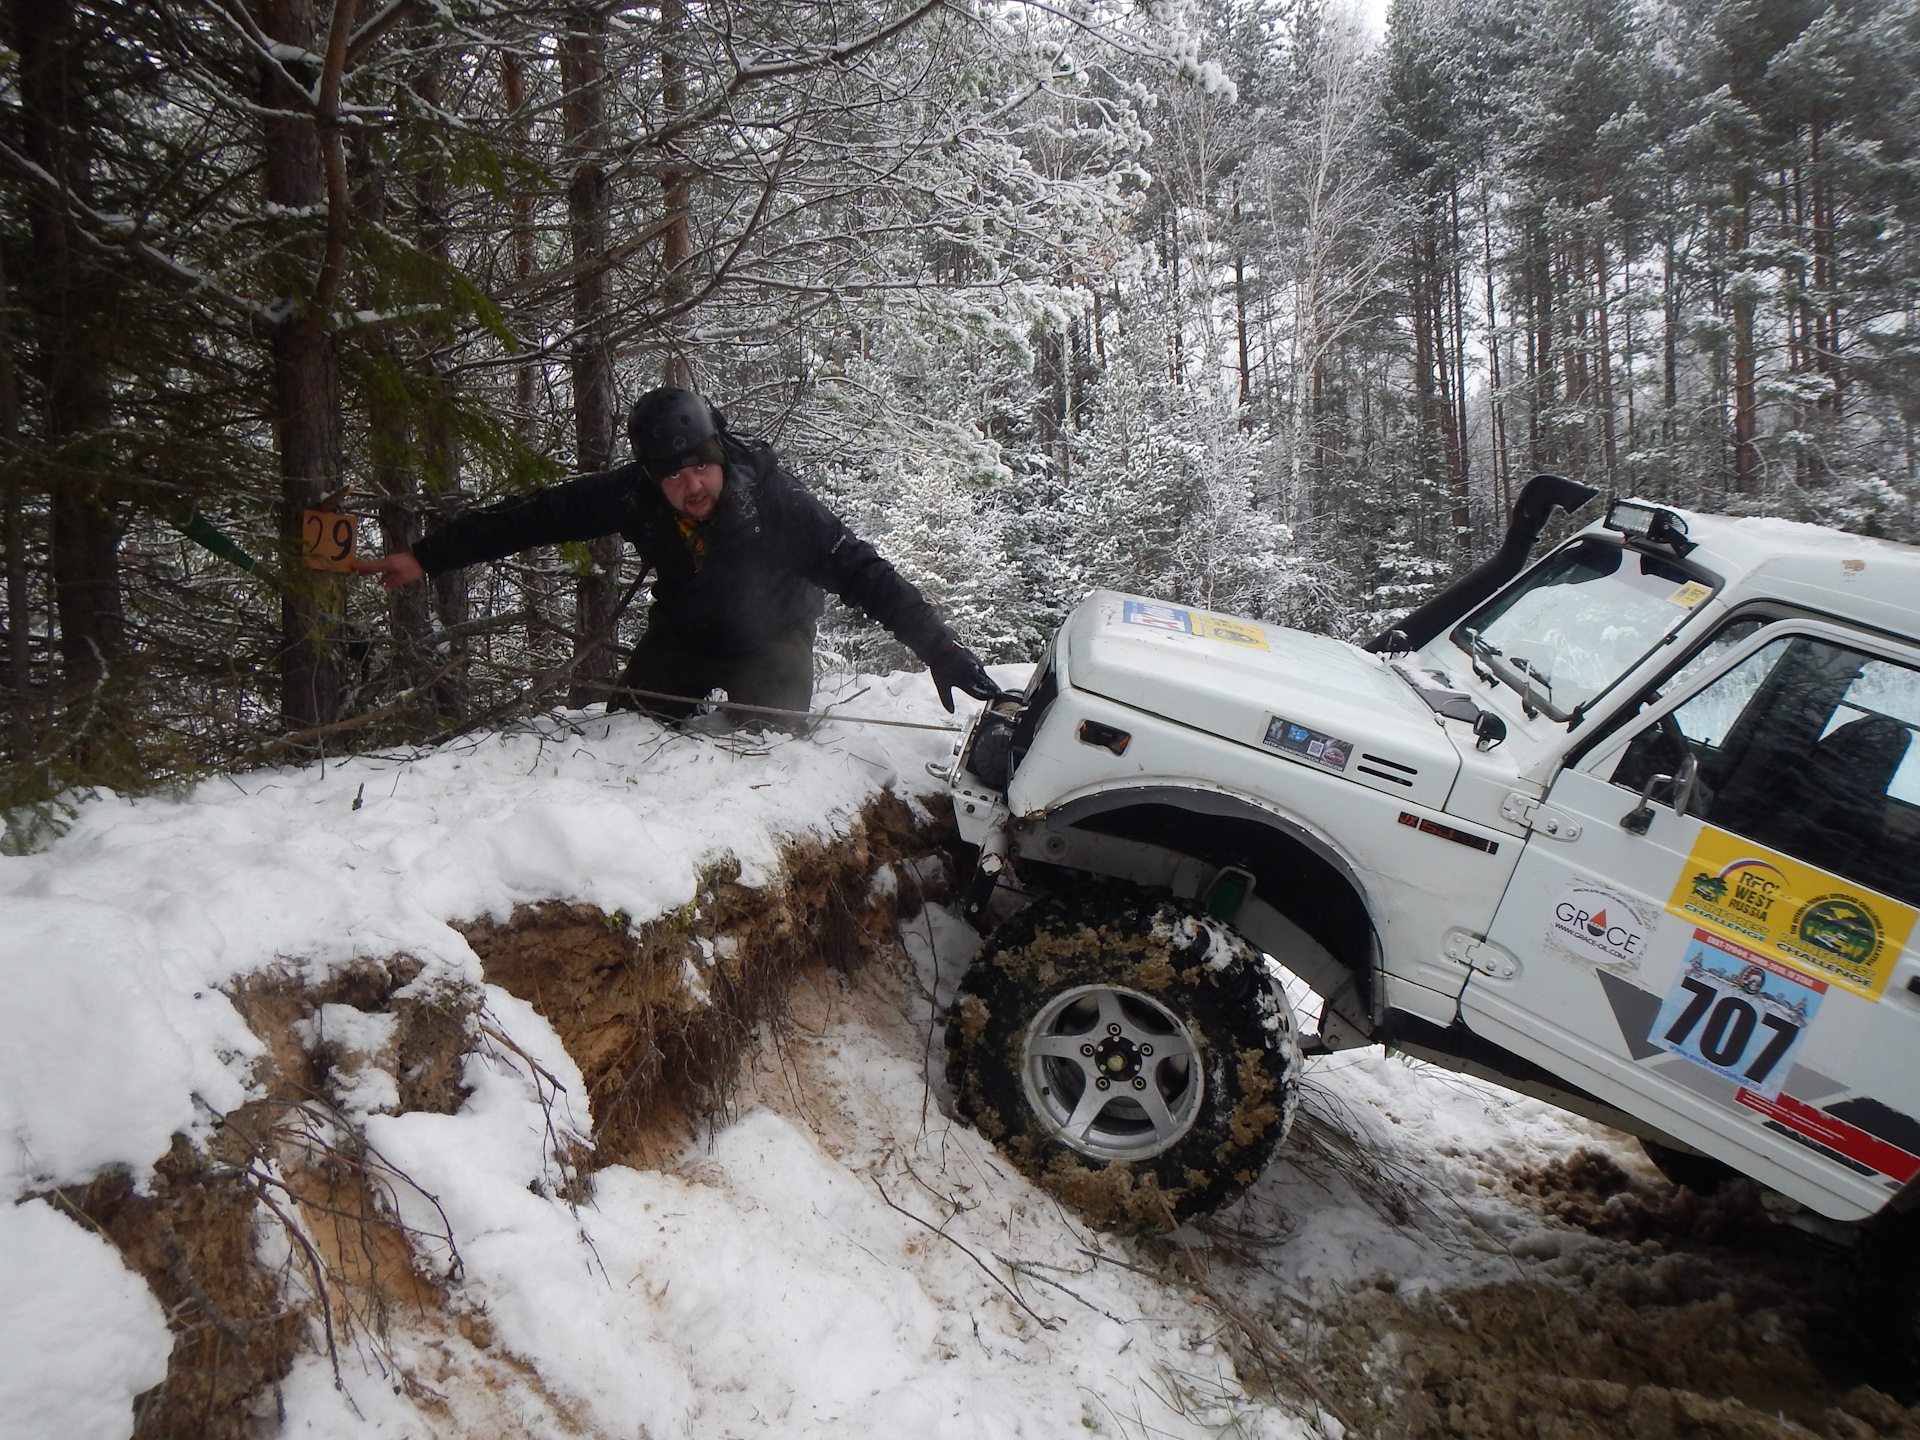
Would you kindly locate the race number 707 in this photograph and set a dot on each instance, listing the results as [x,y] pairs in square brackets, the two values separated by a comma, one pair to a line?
[1732,1024]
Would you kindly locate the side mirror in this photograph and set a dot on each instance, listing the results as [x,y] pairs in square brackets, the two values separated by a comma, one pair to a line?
[1683,787]
[1636,820]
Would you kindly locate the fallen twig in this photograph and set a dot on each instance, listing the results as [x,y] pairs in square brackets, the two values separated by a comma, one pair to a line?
[1040,1320]
[1250,1326]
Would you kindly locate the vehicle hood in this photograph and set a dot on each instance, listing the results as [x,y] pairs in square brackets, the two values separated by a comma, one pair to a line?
[1281,692]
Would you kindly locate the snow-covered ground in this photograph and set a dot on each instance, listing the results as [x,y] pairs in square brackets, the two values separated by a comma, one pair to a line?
[840,1258]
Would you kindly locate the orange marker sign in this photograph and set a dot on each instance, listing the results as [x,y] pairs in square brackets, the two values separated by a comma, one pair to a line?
[327,540]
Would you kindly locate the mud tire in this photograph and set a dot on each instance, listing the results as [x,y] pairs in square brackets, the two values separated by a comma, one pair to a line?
[1884,1307]
[1701,1174]
[1088,961]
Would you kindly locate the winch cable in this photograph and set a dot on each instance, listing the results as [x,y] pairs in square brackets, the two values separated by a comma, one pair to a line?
[775,710]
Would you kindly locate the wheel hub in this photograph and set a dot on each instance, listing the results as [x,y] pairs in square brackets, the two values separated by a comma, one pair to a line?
[1117,1058]
[1112,1072]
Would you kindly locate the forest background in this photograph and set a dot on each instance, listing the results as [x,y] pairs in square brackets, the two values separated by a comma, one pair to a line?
[1232,301]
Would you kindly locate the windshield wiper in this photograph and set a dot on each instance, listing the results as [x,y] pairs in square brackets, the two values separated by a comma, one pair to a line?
[1479,650]
[1515,672]
[1532,672]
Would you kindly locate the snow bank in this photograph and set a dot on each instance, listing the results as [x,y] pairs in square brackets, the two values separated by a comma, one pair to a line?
[80,1332]
[118,935]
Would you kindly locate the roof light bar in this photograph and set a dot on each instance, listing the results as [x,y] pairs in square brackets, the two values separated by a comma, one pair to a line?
[1650,523]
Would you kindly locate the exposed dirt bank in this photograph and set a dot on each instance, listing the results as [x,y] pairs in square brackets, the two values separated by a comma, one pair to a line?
[659,1017]
[281,1232]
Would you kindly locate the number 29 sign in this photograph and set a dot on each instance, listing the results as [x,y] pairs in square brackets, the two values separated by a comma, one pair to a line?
[1738,1013]
[327,540]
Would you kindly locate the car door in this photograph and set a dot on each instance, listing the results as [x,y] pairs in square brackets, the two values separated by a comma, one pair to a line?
[1738,970]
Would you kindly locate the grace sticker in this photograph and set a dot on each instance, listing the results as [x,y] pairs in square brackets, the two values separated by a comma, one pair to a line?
[1737,1013]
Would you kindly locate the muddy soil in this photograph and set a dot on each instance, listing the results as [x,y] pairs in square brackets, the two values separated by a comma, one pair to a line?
[1647,1312]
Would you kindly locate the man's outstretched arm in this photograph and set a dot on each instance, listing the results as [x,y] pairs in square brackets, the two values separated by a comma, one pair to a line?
[395,571]
[581,509]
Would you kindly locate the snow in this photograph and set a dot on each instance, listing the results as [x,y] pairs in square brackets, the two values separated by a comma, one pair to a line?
[80,1332]
[841,1258]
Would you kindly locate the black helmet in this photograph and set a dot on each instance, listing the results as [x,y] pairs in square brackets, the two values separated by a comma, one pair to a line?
[671,428]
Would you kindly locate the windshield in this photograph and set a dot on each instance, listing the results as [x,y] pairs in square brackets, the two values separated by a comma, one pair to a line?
[1580,621]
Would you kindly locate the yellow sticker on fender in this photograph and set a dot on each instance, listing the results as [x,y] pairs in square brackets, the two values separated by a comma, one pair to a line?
[1813,919]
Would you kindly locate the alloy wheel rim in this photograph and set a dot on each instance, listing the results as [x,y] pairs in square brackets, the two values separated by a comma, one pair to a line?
[1112,1072]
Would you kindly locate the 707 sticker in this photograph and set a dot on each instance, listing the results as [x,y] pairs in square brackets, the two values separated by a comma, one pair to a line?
[1738,1013]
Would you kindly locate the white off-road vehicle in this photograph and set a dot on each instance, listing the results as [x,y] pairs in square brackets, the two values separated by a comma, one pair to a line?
[1636,831]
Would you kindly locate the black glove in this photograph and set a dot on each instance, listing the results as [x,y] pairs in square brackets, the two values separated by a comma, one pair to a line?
[958,668]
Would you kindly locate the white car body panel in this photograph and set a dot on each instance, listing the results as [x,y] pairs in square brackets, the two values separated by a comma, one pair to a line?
[1453,844]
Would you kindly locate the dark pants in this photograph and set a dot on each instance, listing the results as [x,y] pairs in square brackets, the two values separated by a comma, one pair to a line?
[781,675]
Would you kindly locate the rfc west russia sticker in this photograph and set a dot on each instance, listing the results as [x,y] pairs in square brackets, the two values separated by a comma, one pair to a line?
[1600,926]
[1818,922]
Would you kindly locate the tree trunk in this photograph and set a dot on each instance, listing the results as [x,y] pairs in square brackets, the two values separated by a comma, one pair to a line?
[306,387]
[1746,454]
[1826,313]
[513,85]
[543,581]
[1603,364]
[1240,334]
[439,445]
[1179,368]
[19,671]
[1540,323]
[1669,343]
[393,475]
[590,361]
[1459,462]
[1496,399]
[676,193]
[73,301]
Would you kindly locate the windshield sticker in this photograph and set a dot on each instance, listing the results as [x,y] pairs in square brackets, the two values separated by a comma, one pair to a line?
[1601,926]
[1737,1013]
[1856,1148]
[1813,920]
[1234,632]
[1157,617]
[1690,595]
[1308,745]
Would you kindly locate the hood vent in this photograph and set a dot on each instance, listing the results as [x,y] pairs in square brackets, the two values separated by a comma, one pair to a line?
[1396,772]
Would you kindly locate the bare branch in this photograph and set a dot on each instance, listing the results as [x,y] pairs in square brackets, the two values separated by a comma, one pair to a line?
[117,232]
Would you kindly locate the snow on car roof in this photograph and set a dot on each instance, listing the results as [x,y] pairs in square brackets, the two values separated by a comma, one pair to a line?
[1874,582]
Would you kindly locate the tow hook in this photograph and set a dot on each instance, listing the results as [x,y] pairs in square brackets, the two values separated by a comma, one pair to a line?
[991,866]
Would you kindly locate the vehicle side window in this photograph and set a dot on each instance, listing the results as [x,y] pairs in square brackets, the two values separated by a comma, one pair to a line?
[1807,747]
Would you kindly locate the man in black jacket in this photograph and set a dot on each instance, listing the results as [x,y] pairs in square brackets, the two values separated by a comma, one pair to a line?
[740,553]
